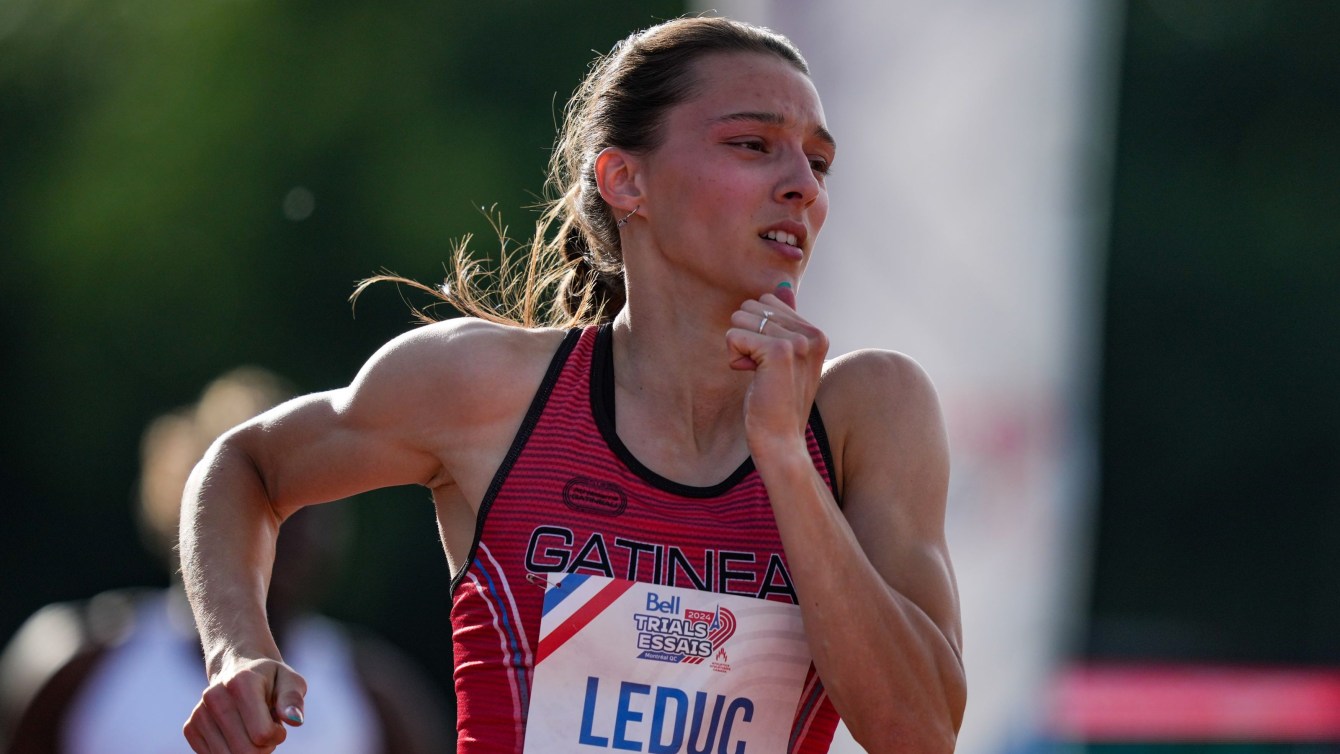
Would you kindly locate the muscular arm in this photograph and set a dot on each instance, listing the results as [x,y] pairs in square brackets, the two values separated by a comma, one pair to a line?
[312,449]
[874,579]
[879,599]
[413,415]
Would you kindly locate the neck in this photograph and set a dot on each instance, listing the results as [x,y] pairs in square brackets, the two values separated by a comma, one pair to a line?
[680,407]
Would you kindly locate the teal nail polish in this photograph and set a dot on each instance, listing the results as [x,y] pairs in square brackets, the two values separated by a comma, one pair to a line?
[294,715]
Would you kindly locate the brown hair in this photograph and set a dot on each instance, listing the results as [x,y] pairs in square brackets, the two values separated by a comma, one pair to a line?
[576,251]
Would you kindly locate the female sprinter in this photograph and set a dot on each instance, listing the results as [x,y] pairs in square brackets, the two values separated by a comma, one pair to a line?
[671,525]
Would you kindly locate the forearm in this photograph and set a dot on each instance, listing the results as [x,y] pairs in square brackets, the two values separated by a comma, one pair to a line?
[228,534]
[892,673]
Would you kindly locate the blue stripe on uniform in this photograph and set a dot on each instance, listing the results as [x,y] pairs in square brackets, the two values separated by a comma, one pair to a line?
[510,632]
[555,594]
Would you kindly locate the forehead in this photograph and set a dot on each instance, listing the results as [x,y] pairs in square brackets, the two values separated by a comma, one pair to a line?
[745,82]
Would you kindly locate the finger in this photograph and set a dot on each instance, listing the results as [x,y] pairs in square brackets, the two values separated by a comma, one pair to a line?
[781,299]
[744,364]
[250,691]
[288,698]
[195,738]
[739,344]
[195,741]
[203,734]
[775,309]
[777,312]
[221,709]
[753,321]
[240,708]
[752,349]
[783,322]
[291,714]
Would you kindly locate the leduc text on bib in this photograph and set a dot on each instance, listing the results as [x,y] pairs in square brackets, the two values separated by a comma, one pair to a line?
[629,666]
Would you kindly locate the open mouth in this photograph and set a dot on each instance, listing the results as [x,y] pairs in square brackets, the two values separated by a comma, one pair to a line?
[782,236]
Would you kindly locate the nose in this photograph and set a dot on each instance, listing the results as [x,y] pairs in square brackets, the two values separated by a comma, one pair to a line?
[799,184]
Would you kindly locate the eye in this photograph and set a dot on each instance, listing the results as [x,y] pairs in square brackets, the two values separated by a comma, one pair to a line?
[754,145]
[821,166]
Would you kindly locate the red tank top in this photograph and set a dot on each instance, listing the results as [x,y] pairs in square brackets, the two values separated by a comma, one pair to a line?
[570,497]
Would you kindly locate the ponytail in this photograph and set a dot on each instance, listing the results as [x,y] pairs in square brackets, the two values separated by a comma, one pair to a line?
[574,273]
[562,282]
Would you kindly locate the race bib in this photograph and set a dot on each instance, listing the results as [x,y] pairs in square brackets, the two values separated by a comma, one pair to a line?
[628,666]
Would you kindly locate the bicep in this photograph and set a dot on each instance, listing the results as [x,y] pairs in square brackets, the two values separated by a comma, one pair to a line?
[895,483]
[911,558]
[418,412]
[327,446]
[373,433]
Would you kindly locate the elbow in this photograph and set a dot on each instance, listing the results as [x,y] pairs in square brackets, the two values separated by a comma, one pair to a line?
[228,481]
[237,454]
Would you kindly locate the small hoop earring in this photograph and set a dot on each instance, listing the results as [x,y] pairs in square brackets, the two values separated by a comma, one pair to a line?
[626,217]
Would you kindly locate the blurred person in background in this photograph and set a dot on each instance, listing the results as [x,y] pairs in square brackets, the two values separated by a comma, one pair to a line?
[120,671]
[689,185]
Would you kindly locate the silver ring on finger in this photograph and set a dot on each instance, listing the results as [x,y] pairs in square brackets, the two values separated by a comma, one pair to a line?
[764,322]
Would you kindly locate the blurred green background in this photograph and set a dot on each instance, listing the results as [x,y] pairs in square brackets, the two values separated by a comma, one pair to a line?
[185,187]
[1219,507]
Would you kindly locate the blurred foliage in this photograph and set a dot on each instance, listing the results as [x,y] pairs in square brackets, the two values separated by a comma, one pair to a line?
[1221,429]
[185,187]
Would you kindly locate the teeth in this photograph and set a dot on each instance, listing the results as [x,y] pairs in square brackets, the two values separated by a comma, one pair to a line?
[778,235]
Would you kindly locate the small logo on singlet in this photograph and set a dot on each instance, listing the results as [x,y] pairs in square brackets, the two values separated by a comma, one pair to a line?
[587,495]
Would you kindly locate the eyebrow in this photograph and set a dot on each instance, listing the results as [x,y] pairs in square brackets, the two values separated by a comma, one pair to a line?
[775,119]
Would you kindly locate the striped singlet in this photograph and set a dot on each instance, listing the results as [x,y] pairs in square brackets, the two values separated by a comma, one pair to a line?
[569,497]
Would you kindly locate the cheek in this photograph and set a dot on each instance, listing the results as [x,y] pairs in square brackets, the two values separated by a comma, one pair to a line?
[714,183]
[715,196]
[819,211]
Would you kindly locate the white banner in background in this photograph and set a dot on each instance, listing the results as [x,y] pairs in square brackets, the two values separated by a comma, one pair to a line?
[968,210]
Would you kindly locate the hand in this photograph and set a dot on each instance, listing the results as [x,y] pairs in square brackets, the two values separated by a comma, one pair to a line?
[245,707]
[787,355]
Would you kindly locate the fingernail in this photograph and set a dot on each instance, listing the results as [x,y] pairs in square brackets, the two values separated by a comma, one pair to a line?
[293,714]
[784,284]
[786,293]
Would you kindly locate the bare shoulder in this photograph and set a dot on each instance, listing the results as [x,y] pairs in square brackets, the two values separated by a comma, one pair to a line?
[427,408]
[465,367]
[461,349]
[883,419]
[887,390]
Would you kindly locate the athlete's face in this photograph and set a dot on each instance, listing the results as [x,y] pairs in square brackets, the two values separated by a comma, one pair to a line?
[735,191]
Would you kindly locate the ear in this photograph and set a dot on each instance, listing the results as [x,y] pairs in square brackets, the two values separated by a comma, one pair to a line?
[617,176]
